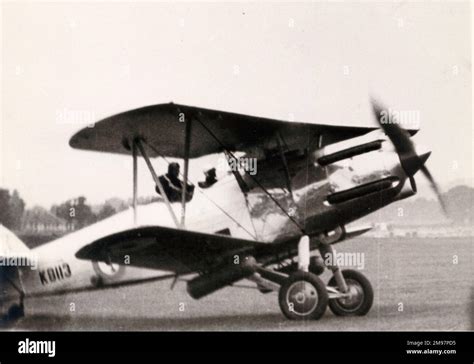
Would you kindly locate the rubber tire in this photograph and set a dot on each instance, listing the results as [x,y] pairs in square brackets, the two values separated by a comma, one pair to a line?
[317,283]
[366,288]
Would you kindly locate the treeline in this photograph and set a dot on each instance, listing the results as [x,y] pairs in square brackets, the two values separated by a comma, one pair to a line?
[12,208]
[79,214]
[75,212]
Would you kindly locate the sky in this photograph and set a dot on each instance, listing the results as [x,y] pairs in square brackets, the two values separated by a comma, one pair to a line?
[64,65]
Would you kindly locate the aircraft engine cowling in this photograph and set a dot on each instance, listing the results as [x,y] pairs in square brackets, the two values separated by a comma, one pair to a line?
[211,282]
[359,166]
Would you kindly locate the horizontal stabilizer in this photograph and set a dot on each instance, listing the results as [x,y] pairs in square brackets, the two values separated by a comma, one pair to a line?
[11,245]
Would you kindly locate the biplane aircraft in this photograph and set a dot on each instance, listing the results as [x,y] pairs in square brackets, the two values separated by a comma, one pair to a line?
[274,227]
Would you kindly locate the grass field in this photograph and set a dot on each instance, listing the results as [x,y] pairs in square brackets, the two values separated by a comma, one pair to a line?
[418,285]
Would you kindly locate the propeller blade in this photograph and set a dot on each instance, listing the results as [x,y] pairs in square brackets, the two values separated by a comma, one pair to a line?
[413,184]
[398,136]
[410,160]
[435,188]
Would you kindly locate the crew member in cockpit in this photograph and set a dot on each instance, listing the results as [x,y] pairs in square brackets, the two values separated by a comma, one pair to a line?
[210,174]
[173,186]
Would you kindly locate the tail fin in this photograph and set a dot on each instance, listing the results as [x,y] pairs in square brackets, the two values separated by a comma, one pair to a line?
[10,287]
[10,244]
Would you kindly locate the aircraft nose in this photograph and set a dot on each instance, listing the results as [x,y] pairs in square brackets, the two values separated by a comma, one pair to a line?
[413,161]
[423,153]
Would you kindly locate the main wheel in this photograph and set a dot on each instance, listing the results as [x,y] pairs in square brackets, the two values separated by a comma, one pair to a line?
[361,295]
[303,296]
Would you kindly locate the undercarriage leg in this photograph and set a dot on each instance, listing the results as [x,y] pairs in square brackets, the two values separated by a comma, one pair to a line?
[302,295]
[327,253]
[303,254]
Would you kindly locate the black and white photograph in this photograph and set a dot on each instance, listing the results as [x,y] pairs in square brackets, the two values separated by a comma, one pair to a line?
[237,167]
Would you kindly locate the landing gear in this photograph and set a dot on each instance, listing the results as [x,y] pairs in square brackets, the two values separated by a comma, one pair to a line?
[360,295]
[350,292]
[14,313]
[16,310]
[303,296]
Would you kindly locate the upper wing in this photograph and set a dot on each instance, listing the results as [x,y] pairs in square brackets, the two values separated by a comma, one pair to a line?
[162,248]
[162,127]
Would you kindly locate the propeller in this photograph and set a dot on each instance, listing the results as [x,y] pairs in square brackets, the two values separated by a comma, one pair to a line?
[412,159]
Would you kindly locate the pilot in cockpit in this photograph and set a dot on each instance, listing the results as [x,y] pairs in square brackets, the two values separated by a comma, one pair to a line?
[173,186]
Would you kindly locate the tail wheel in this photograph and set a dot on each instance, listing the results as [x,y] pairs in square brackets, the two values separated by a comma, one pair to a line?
[361,295]
[15,312]
[303,296]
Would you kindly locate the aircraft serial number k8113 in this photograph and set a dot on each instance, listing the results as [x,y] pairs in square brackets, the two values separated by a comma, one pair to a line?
[54,274]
